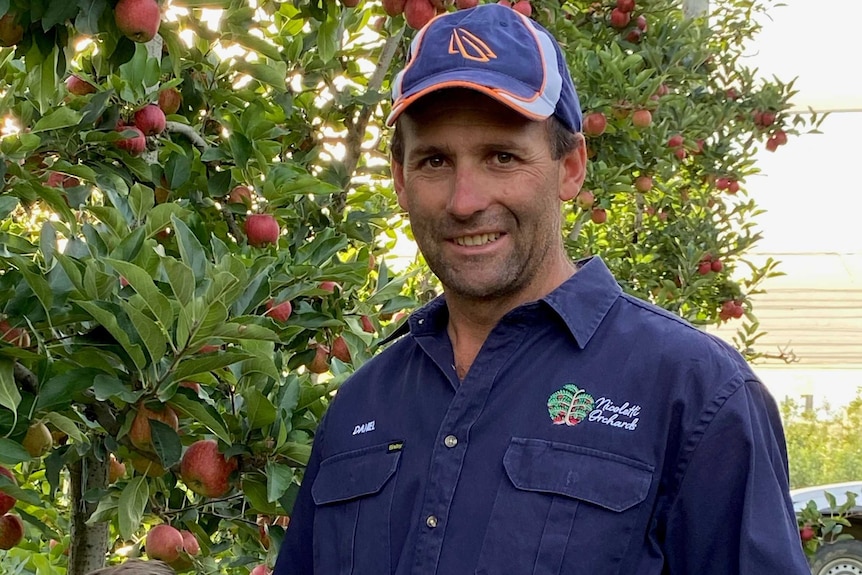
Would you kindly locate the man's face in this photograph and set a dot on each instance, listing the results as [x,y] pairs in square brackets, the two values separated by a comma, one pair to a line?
[483,194]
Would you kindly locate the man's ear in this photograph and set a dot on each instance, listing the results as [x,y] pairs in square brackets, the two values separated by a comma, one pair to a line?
[573,170]
[398,181]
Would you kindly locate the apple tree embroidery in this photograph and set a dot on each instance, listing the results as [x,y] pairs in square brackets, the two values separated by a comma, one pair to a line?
[570,405]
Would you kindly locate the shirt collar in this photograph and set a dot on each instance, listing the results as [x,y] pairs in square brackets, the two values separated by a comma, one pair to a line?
[582,302]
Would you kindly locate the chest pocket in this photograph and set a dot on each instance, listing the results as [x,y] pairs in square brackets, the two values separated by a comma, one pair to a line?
[562,509]
[353,493]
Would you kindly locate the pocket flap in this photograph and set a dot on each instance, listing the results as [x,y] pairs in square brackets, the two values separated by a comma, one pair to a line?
[354,474]
[604,479]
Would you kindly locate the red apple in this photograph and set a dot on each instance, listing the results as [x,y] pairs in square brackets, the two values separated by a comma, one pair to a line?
[57,179]
[138,20]
[722,183]
[279,312]
[170,100]
[641,23]
[806,533]
[620,19]
[193,385]
[11,531]
[732,187]
[329,286]
[717,265]
[150,120]
[164,542]
[585,199]
[140,433]
[261,230]
[116,469]
[396,7]
[634,35]
[680,153]
[205,470]
[11,32]
[675,141]
[417,13]
[79,87]
[731,94]
[320,362]
[524,7]
[626,5]
[594,124]
[643,183]
[240,195]
[599,215]
[703,268]
[38,440]
[367,324]
[146,465]
[641,118]
[136,144]
[14,335]
[340,350]
[7,502]
[190,543]
[466,4]
[260,570]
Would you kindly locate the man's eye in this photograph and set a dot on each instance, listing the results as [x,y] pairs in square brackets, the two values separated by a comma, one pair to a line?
[434,162]
[504,157]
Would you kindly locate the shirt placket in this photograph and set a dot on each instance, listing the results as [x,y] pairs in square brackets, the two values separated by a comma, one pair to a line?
[451,443]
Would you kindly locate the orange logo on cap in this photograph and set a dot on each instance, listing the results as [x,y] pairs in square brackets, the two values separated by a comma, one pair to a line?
[469,46]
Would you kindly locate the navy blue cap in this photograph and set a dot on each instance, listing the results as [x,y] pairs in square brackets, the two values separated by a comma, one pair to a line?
[494,50]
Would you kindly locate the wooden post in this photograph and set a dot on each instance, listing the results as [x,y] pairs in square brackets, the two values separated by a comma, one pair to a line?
[695,8]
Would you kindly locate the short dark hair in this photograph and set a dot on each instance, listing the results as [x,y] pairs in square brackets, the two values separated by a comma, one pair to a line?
[561,140]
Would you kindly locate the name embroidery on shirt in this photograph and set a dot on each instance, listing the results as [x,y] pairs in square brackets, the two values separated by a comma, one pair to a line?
[623,416]
[364,428]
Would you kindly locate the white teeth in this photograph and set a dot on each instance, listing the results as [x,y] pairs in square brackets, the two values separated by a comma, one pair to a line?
[479,240]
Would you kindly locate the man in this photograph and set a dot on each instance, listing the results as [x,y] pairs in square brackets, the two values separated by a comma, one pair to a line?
[535,419]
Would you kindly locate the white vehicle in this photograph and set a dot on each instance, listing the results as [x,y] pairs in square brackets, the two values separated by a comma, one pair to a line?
[841,557]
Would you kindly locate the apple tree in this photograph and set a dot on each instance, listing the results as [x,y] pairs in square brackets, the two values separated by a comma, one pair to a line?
[194,224]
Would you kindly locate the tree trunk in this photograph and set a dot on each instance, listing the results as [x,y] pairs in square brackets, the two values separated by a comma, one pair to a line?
[695,8]
[89,543]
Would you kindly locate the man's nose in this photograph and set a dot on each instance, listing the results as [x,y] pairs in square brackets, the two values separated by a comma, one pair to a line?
[468,194]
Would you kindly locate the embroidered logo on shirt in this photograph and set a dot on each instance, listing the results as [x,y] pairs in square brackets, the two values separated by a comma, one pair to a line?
[364,428]
[570,405]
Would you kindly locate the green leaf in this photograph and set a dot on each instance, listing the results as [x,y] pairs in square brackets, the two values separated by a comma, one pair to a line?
[67,426]
[61,117]
[59,391]
[108,320]
[133,503]
[241,149]
[181,278]
[327,38]
[106,387]
[57,12]
[259,410]
[141,200]
[166,442]
[87,21]
[278,480]
[178,168]
[10,398]
[142,283]
[191,250]
[8,204]
[151,334]
[272,73]
[206,363]
[26,495]
[12,453]
[196,410]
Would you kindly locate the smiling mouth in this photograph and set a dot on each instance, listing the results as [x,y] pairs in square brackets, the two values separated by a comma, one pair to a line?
[478,240]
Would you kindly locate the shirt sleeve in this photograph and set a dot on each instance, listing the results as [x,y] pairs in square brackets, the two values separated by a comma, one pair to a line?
[732,513]
[296,555]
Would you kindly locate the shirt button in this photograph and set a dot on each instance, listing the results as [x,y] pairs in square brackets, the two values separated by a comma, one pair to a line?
[450,441]
[431,521]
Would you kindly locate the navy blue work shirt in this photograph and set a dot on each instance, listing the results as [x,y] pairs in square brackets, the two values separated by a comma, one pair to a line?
[594,434]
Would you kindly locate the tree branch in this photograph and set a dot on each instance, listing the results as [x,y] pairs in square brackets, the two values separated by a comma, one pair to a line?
[356,129]
[188,132]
